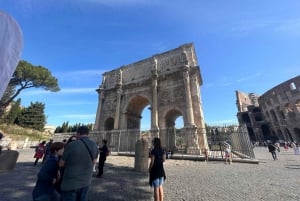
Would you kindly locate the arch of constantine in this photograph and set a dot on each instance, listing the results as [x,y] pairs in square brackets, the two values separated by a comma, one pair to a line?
[170,83]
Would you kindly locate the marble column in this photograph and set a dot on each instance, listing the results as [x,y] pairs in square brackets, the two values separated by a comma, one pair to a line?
[188,100]
[154,112]
[100,91]
[119,95]
[190,127]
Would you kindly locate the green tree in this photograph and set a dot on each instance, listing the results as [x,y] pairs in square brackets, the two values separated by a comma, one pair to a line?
[27,76]
[14,112]
[33,116]
[66,128]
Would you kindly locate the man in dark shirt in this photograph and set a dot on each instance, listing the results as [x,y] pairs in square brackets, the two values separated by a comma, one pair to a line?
[272,150]
[103,153]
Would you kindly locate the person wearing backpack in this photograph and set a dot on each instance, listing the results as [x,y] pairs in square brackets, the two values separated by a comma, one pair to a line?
[104,152]
[78,160]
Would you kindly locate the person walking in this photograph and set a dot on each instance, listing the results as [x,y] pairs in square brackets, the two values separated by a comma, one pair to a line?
[102,158]
[47,151]
[227,150]
[44,189]
[156,170]
[78,160]
[272,150]
[39,152]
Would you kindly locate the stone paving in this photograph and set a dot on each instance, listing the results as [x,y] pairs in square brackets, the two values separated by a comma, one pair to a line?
[186,180]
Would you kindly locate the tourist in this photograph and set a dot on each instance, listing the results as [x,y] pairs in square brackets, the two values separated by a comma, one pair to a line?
[272,150]
[71,139]
[47,150]
[39,152]
[78,160]
[62,169]
[156,170]
[294,146]
[1,136]
[44,189]
[205,155]
[277,145]
[286,146]
[227,150]
[102,158]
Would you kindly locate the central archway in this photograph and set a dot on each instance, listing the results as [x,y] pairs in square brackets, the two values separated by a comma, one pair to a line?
[134,110]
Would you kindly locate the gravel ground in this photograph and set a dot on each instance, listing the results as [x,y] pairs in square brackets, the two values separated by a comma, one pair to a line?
[186,180]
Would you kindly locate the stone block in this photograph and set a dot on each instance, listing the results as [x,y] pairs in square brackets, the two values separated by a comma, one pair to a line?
[8,160]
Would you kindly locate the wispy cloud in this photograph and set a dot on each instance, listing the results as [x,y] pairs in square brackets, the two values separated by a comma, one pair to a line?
[247,78]
[78,90]
[79,116]
[223,122]
[68,103]
[62,91]
[80,74]
[226,81]
[285,27]
[123,2]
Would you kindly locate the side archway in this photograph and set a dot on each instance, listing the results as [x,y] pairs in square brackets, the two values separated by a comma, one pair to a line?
[109,124]
[171,137]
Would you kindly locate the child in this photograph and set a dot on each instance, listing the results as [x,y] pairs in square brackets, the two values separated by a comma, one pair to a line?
[48,175]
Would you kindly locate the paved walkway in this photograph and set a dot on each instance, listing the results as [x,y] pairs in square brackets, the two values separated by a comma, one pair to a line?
[186,180]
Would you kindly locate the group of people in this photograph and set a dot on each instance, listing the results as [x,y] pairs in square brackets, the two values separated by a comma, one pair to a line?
[68,168]
[67,171]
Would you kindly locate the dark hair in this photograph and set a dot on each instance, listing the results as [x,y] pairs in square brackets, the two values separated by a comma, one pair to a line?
[83,130]
[56,146]
[104,141]
[71,139]
[156,143]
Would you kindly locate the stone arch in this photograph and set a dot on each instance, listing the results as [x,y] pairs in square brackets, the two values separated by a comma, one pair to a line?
[168,80]
[169,132]
[109,124]
[297,105]
[134,110]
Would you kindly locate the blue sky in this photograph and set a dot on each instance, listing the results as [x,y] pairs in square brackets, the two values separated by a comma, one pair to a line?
[249,46]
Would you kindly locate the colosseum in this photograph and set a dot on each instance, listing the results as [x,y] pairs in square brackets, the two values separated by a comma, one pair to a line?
[275,115]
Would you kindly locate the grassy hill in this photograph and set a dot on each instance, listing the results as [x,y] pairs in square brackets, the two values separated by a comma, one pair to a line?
[19,133]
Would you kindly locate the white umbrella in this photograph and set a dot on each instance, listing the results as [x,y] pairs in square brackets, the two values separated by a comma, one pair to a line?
[11,43]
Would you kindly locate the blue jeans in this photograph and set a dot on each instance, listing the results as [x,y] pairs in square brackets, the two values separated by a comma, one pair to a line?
[80,194]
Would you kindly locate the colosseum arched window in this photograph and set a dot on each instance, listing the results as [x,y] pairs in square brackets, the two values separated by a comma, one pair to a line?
[297,105]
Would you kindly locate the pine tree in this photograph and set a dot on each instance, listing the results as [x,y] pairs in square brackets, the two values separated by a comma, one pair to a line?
[33,116]
[14,112]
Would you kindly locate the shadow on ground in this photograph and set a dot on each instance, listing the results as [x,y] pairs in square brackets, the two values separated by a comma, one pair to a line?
[18,184]
[120,183]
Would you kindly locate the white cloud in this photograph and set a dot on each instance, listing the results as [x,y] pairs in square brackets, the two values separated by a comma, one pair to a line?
[79,74]
[223,122]
[123,2]
[79,116]
[62,91]
[247,78]
[77,90]
[285,27]
[72,102]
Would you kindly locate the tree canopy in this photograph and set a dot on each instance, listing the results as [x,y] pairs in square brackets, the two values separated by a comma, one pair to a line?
[33,116]
[27,76]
